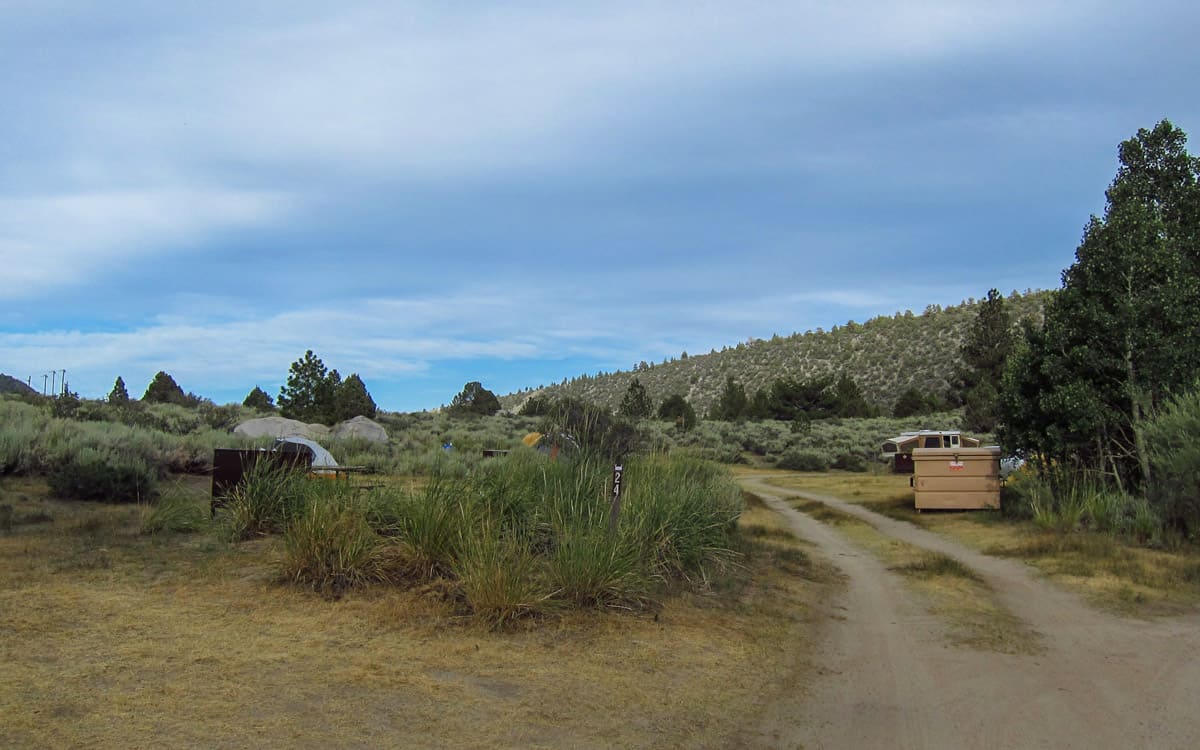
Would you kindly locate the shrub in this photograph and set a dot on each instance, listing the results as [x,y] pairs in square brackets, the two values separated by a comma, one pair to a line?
[803,461]
[92,474]
[850,462]
[1173,437]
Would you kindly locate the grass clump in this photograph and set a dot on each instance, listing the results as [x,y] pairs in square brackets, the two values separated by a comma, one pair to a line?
[934,564]
[498,576]
[330,546]
[264,501]
[591,568]
[1066,502]
[523,534]
[174,513]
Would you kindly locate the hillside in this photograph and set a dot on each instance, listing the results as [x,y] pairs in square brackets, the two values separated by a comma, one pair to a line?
[9,384]
[886,355]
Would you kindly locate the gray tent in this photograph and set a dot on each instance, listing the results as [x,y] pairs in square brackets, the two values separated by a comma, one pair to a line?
[322,460]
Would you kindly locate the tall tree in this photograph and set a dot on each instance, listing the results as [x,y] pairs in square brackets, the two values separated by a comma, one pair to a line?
[353,400]
[636,403]
[475,399]
[308,393]
[164,390]
[732,404]
[676,409]
[849,400]
[1120,336]
[985,351]
[259,399]
[119,394]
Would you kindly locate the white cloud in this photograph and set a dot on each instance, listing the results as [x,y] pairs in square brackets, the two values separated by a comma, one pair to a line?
[48,240]
[439,90]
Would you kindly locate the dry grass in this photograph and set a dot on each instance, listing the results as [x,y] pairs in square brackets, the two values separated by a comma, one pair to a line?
[118,639]
[1112,573]
[1121,577]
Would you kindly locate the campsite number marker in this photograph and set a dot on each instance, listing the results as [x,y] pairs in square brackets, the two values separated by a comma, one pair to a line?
[615,510]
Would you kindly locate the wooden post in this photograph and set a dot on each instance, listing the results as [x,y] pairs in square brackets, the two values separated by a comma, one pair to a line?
[614,510]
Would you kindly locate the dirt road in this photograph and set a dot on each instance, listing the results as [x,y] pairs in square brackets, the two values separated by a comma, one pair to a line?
[885,678]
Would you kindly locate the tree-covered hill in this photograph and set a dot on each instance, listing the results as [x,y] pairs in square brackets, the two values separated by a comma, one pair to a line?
[885,356]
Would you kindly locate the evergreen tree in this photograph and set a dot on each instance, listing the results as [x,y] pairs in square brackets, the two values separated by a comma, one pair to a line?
[636,404]
[474,399]
[676,408]
[732,404]
[985,351]
[118,394]
[1120,336]
[308,393]
[912,403]
[164,390]
[352,399]
[259,399]
[849,400]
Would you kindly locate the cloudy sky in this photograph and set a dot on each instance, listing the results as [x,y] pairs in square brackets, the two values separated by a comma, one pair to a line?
[431,193]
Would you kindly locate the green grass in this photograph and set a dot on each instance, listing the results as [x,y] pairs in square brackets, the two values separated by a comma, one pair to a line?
[934,564]
[331,546]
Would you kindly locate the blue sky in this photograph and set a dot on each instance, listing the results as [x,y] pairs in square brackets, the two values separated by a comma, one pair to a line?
[431,193]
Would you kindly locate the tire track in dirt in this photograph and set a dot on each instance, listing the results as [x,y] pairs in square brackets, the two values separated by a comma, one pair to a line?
[883,675]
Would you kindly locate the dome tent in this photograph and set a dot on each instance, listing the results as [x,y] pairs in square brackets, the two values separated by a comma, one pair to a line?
[321,458]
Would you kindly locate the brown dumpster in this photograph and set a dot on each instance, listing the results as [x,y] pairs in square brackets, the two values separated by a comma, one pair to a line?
[956,478]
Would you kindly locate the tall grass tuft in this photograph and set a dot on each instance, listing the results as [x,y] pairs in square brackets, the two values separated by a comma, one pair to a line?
[591,568]
[1067,502]
[499,577]
[267,498]
[431,524]
[680,513]
[331,546]
[174,513]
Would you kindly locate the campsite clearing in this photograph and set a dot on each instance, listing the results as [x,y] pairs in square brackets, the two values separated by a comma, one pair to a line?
[119,639]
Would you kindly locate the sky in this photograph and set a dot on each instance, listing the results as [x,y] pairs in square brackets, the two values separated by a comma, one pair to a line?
[428,194]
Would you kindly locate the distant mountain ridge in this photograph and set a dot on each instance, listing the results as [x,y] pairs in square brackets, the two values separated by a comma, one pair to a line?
[885,356]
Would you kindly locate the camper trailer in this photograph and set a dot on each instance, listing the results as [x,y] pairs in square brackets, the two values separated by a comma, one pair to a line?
[899,449]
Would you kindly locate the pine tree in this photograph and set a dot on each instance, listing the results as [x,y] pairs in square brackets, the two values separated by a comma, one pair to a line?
[676,408]
[636,404]
[732,404]
[1120,337]
[474,399]
[118,394]
[308,393]
[259,399]
[352,399]
[985,351]
[164,390]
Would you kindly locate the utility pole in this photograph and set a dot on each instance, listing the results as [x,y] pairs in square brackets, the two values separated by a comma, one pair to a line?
[45,377]
[64,382]
[53,380]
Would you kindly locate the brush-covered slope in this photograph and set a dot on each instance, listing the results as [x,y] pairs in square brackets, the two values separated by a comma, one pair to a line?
[9,384]
[886,355]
